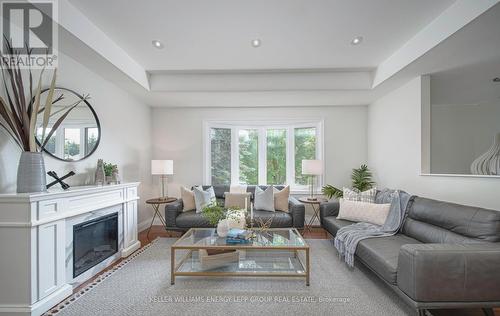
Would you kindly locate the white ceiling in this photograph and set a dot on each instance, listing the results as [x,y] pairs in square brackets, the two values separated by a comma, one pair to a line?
[295,34]
[305,60]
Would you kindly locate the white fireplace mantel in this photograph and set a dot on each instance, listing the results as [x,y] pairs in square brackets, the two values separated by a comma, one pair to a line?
[34,241]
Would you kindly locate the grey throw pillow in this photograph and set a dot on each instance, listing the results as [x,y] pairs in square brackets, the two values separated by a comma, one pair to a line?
[264,200]
[203,198]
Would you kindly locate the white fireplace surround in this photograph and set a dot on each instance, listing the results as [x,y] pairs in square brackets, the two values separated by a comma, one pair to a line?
[36,242]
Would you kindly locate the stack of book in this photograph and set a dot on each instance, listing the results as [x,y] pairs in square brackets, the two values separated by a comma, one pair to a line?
[238,236]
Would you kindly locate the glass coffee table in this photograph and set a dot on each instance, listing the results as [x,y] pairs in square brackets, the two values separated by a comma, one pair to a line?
[277,252]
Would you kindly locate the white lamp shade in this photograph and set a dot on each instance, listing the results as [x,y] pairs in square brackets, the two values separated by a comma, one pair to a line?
[312,167]
[162,167]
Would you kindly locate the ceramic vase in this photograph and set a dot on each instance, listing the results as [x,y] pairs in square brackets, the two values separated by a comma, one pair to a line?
[223,228]
[489,162]
[31,173]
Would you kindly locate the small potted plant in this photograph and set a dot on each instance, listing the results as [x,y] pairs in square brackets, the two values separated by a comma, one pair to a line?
[110,171]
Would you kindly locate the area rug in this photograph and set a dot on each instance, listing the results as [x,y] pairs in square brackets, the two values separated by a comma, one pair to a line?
[141,286]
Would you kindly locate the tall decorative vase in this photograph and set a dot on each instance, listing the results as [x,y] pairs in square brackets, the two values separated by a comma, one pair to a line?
[31,173]
[489,162]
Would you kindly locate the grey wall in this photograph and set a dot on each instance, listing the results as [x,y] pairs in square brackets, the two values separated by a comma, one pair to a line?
[178,135]
[394,153]
[460,134]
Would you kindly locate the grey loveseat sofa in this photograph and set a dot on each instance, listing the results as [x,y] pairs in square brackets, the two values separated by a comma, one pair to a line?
[445,256]
[176,219]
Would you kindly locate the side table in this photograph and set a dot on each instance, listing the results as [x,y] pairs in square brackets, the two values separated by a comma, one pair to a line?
[156,203]
[315,206]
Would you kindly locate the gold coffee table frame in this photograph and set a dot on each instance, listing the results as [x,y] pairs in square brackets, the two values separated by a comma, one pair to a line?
[181,245]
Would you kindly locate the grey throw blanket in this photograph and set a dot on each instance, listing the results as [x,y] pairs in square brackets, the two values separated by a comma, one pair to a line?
[348,237]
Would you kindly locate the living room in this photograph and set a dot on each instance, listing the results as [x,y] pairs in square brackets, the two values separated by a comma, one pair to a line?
[211,157]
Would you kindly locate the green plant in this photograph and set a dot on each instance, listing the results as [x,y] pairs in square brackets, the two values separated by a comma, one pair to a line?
[361,180]
[109,168]
[213,212]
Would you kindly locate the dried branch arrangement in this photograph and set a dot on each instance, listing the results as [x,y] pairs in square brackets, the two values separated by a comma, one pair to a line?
[22,105]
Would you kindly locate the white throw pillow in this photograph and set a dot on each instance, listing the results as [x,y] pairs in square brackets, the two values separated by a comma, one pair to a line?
[187,199]
[355,195]
[264,200]
[356,211]
[203,198]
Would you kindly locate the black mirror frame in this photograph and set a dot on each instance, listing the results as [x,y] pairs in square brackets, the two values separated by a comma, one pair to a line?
[96,120]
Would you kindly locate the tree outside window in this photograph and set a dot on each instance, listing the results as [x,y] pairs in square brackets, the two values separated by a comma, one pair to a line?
[276,156]
[305,148]
[220,155]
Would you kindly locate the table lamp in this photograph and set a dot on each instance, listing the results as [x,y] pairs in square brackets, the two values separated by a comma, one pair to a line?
[312,168]
[162,168]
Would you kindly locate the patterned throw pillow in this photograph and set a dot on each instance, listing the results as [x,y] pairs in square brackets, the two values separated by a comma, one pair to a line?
[367,196]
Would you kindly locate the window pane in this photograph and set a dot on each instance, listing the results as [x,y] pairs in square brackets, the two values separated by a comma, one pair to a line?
[71,143]
[51,144]
[92,134]
[276,156]
[305,148]
[249,156]
[220,155]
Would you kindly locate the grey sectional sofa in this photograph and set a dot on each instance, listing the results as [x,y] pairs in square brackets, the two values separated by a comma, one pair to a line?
[176,219]
[445,256]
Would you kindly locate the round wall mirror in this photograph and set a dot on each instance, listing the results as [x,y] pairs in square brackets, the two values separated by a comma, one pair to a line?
[78,136]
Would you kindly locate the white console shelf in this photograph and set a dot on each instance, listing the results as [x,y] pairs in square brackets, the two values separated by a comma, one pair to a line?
[36,242]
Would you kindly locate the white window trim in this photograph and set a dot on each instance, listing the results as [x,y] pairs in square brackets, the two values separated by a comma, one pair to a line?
[262,126]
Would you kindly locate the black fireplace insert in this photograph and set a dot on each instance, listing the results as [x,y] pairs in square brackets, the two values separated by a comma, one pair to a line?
[93,242]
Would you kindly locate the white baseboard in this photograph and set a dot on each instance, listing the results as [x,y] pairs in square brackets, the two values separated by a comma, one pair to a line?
[128,251]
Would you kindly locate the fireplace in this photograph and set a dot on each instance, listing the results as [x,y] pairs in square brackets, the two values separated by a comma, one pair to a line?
[93,242]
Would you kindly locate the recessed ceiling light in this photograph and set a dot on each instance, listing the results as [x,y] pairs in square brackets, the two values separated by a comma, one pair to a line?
[357,40]
[256,42]
[157,44]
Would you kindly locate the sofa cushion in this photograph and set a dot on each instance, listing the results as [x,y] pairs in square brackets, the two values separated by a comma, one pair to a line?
[190,219]
[281,198]
[280,219]
[187,197]
[203,198]
[237,200]
[264,199]
[354,194]
[432,221]
[381,254]
[332,224]
[358,211]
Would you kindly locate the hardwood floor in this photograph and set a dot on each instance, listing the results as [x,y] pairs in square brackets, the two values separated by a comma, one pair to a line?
[315,233]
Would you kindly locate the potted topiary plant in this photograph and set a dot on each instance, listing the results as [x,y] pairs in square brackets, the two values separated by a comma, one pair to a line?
[361,180]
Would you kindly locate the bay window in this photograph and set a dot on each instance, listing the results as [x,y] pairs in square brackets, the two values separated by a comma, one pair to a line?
[264,153]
